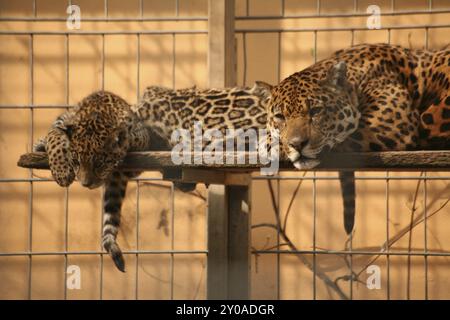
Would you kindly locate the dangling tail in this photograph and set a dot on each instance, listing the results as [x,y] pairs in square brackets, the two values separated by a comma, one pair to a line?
[115,188]
[347,180]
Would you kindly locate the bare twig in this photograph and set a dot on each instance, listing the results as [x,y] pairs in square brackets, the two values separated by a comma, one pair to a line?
[413,210]
[194,193]
[419,219]
[157,278]
[275,205]
[321,275]
[197,290]
[278,246]
[294,196]
[415,220]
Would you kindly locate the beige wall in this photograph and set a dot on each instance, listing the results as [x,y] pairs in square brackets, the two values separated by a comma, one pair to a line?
[48,205]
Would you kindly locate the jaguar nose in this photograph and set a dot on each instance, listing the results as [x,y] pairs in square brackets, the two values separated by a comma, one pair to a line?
[86,179]
[87,182]
[298,143]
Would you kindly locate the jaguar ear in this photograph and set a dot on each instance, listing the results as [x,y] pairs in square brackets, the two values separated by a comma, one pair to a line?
[337,75]
[68,130]
[263,88]
[264,85]
[64,124]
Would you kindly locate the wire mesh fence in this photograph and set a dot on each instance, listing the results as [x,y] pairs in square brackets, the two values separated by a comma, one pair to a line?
[278,34]
[281,37]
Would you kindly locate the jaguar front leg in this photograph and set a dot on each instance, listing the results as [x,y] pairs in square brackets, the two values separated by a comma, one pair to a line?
[58,151]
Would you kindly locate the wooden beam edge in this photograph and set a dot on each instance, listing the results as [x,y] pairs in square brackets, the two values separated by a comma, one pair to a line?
[436,160]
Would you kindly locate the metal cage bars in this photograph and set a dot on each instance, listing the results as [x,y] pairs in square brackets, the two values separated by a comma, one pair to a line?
[243,32]
[31,180]
[247,16]
[423,177]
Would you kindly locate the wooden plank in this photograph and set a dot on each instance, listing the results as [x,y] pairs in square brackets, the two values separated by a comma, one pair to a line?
[222,73]
[438,160]
[228,242]
[239,260]
[221,44]
[217,271]
[238,179]
[208,176]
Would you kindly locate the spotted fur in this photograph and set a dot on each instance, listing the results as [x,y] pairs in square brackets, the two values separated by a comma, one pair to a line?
[90,141]
[370,97]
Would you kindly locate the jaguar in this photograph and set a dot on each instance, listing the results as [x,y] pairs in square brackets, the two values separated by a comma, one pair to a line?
[89,141]
[369,97]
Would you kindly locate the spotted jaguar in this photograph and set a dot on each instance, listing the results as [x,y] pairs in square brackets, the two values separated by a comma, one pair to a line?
[90,141]
[370,97]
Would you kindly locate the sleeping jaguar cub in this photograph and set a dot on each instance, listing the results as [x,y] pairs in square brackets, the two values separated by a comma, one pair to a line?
[90,141]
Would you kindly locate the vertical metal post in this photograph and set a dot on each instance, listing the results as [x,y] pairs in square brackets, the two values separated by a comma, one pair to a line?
[228,206]
[136,293]
[138,88]
[172,241]
[174,60]
[387,249]
[425,233]
[314,195]
[103,207]
[66,191]
[30,199]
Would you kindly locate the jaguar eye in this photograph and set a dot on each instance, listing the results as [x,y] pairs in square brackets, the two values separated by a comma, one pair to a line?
[279,117]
